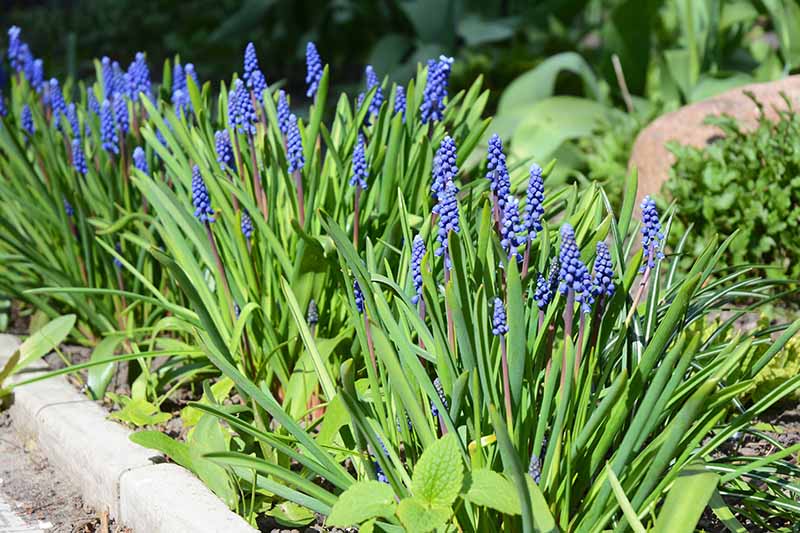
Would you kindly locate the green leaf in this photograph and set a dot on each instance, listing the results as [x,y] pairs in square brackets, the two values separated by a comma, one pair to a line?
[439,474]
[624,503]
[419,518]
[686,500]
[360,502]
[139,412]
[99,376]
[476,30]
[490,489]
[156,440]
[44,340]
[291,515]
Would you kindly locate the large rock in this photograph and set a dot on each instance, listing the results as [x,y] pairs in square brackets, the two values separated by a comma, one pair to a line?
[685,125]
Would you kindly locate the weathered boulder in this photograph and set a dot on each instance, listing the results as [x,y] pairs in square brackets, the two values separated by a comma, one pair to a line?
[685,125]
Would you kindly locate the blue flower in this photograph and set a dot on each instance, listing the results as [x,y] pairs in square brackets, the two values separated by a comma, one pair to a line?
[107,73]
[652,238]
[417,253]
[241,113]
[444,166]
[72,118]
[17,55]
[312,315]
[534,469]
[510,227]
[534,205]
[358,296]
[437,385]
[543,293]
[27,120]
[57,103]
[200,199]
[247,225]
[189,70]
[448,220]
[120,82]
[313,70]
[400,101]
[108,129]
[432,108]
[284,113]
[360,168]
[573,275]
[180,94]
[603,283]
[499,326]
[250,61]
[37,75]
[139,77]
[258,84]
[117,262]
[497,172]
[78,157]
[3,108]
[294,146]
[121,112]
[91,101]
[373,81]
[140,160]
[222,145]
[70,212]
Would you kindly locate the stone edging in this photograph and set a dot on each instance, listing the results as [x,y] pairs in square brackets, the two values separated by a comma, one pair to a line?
[111,472]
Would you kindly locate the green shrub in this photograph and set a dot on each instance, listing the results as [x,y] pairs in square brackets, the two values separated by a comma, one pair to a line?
[747,183]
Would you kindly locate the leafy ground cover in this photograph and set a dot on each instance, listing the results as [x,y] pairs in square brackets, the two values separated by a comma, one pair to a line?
[379,324]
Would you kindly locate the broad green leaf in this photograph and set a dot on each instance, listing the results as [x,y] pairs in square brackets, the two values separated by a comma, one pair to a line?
[99,376]
[139,412]
[686,500]
[490,489]
[44,340]
[439,473]
[360,502]
[291,515]
[418,517]
[156,440]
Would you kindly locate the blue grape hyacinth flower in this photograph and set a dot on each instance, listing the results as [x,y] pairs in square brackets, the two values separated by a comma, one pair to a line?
[358,296]
[140,160]
[222,145]
[432,107]
[284,113]
[373,81]
[37,75]
[107,74]
[543,293]
[72,118]
[250,61]
[313,70]
[68,210]
[139,77]
[417,253]
[444,166]
[294,146]
[120,104]
[360,168]
[3,108]
[448,221]
[247,225]
[108,129]
[57,103]
[27,120]
[241,113]
[573,274]
[534,204]
[200,198]
[258,84]
[499,325]
[78,157]
[510,228]
[91,102]
[603,283]
[400,101]
[497,172]
[652,238]
[437,385]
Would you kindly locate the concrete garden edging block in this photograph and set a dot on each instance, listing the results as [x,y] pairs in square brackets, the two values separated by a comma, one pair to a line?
[111,472]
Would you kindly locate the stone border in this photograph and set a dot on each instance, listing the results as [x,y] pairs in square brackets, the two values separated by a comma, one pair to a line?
[112,473]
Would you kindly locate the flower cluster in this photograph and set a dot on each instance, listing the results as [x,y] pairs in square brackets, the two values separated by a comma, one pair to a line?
[603,283]
[200,199]
[437,385]
[417,253]
[499,325]
[447,209]
[139,77]
[400,101]
[510,227]
[545,287]
[284,113]
[534,204]
[497,172]
[247,225]
[108,129]
[432,108]
[373,81]
[180,92]
[241,113]
[57,103]
[78,157]
[140,160]
[652,238]
[573,274]
[312,315]
[27,120]
[360,168]
[358,296]
[68,210]
[444,166]
[222,145]
[72,118]
[294,146]
[121,113]
[3,108]
[313,70]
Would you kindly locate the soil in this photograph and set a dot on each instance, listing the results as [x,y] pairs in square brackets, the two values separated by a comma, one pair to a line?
[41,494]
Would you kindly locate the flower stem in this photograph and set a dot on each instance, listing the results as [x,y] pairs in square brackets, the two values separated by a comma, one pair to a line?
[506,381]
[638,296]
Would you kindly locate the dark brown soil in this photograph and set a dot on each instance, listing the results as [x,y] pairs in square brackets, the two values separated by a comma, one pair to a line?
[39,492]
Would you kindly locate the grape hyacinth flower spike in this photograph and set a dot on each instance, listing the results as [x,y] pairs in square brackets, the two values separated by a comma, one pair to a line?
[359,181]
[200,199]
[121,113]
[3,108]
[78,157]
[510,228]
[222,146]
[534,210]
[313,70]
[358,296]
[140,160]
[497,174]
[575,283]
[250,61]
[432,107]
[437,386]
[139,77]
[652,248]
[37,76]
[603,283]
[247,226]
[26,120]
[377,100]
[296,161]
[447,208]
[417,253]
[57,103]
[444,167]
[284,114]
[400,101]
[108,129]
